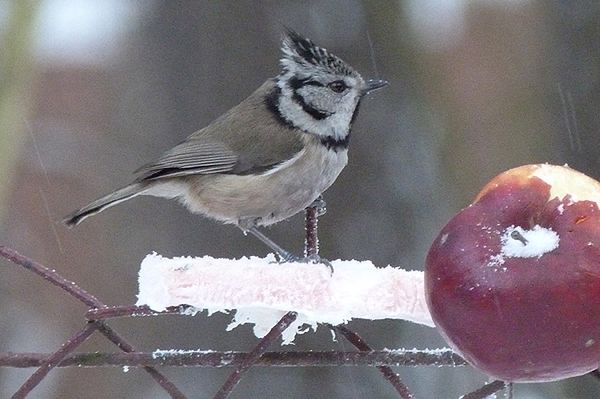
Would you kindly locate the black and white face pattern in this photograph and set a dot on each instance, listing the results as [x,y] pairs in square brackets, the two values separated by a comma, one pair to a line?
[317,91]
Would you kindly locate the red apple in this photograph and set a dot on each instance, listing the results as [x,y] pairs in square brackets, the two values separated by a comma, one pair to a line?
[513,280]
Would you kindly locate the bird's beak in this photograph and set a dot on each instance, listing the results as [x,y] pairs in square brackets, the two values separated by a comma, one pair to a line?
[374,84]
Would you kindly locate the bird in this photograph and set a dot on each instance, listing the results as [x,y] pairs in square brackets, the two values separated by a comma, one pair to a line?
[267,158]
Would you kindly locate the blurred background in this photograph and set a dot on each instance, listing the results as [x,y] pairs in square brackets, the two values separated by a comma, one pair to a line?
[92,89]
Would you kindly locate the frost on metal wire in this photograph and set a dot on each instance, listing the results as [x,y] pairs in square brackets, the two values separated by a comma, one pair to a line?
[261,291]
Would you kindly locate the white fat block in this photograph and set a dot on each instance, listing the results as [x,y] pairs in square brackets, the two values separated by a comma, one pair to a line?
[262,291]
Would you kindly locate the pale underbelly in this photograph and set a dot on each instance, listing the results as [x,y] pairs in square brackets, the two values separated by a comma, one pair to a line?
[264,199]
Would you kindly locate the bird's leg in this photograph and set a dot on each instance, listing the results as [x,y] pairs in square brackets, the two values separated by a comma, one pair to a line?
[311,242]
[284,256]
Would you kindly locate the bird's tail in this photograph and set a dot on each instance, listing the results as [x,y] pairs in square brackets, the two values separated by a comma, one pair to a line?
[105,202]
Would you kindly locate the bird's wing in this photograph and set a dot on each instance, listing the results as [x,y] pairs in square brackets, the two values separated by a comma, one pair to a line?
[190,157]
[247,139]
[197,156]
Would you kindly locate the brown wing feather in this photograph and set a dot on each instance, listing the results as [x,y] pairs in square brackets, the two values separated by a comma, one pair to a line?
[190,157]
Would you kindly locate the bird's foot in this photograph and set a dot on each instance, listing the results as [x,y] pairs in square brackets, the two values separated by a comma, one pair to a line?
[314,259]
[318,260]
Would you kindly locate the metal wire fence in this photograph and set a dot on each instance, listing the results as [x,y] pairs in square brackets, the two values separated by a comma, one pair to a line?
[96,321]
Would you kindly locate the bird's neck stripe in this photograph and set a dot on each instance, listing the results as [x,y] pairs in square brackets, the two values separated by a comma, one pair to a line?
[315,113]
[272,103]
[331,143]
[334,144]
[295,84]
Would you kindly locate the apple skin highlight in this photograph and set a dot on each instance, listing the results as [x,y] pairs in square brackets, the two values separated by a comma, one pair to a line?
[524,319]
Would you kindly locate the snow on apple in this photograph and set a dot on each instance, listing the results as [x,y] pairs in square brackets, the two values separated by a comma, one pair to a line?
[520,243]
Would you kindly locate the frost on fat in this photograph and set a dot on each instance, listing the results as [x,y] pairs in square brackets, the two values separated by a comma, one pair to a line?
[262,291]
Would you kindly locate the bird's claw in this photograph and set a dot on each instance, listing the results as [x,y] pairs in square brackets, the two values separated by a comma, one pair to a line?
[314,259]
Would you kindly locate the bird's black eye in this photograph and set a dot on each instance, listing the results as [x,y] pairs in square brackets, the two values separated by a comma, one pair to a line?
[338,86]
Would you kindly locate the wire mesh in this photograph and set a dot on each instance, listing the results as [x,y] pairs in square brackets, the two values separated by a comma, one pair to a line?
[98,315]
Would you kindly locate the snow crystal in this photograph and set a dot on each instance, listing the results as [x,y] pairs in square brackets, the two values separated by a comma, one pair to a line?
[163,353]
[262,291]
[191,311]
[520,243]
[430,351]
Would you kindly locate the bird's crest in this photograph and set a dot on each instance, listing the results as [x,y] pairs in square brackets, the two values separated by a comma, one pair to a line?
[300,53]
